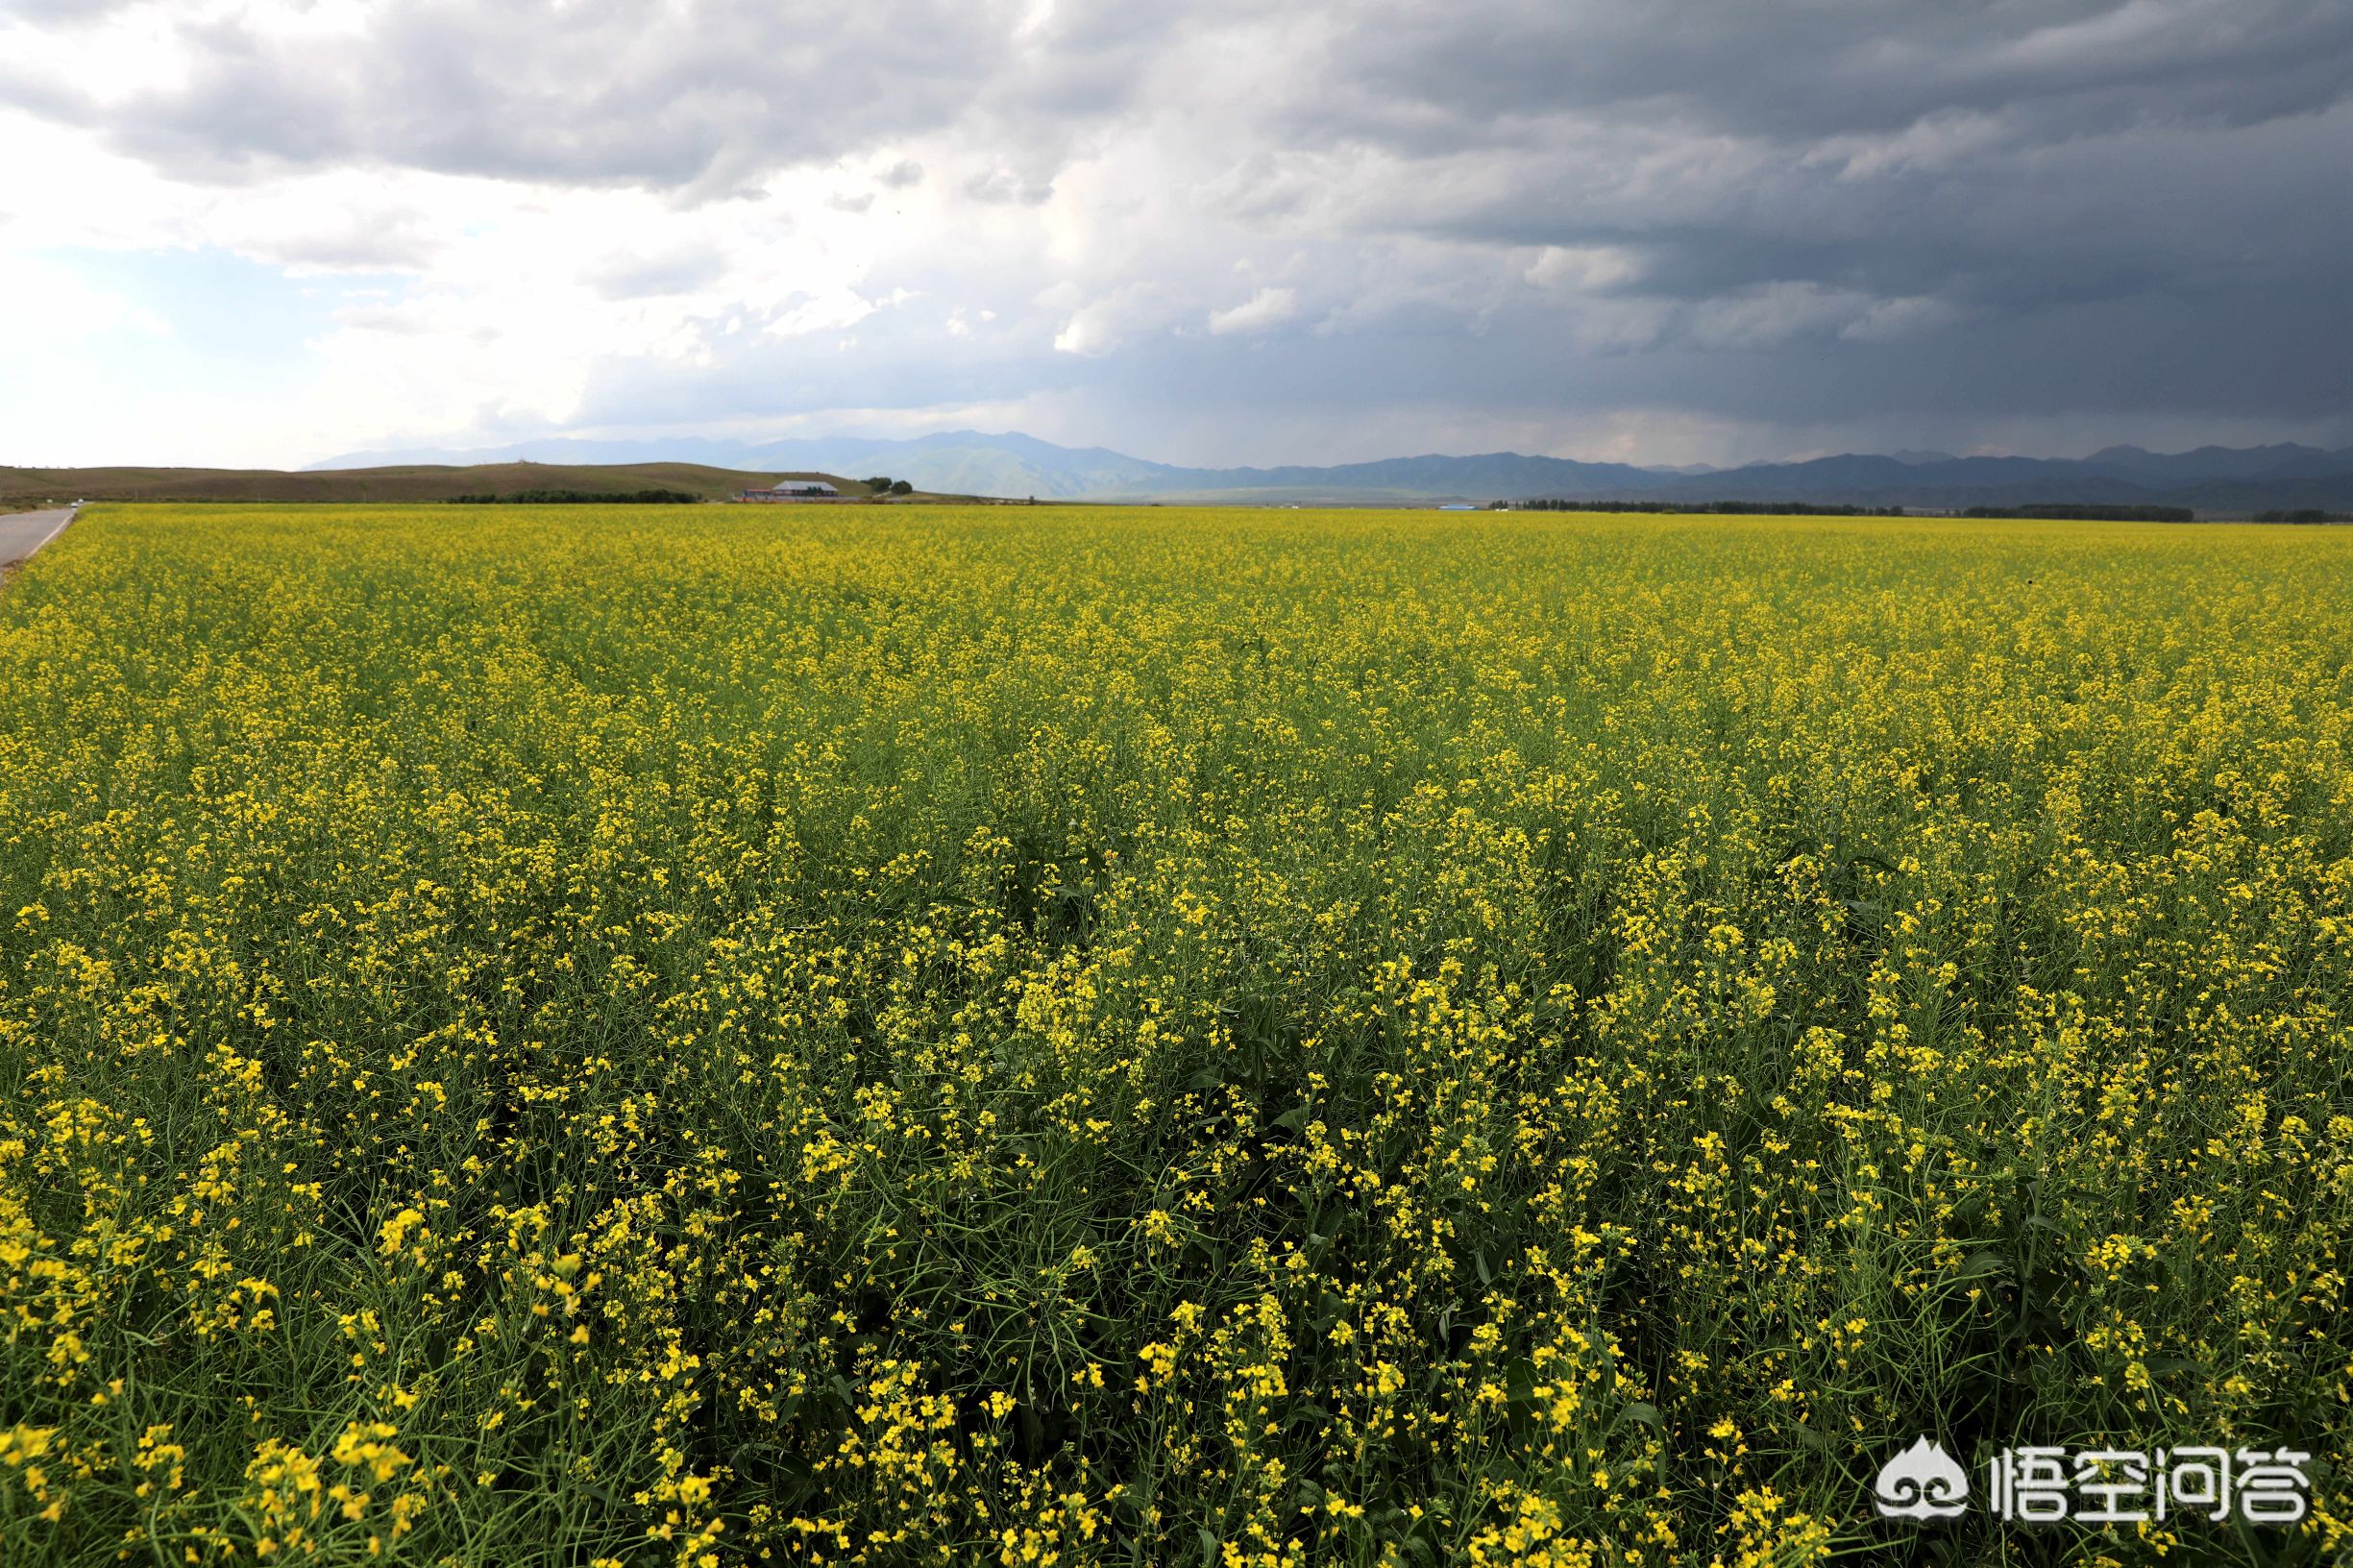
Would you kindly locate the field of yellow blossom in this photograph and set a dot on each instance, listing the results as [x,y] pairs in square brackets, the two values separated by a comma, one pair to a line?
[1151,1036]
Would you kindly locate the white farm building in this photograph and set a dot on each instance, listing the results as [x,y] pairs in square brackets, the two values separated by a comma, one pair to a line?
[792,490]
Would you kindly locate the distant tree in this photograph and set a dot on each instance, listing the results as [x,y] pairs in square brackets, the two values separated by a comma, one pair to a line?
[879,484]
[900,487]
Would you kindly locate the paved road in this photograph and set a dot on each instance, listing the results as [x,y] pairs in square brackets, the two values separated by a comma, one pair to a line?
[21,534]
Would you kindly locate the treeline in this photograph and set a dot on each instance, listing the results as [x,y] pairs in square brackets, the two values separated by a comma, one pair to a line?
[2304,514]
[1729,508]
[2069,511]
[580,498]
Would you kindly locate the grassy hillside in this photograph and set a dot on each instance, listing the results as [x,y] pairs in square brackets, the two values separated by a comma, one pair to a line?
[407,483]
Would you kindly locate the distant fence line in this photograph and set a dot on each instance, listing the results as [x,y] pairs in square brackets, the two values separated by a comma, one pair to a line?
[2038,511]
[2087,512]
[1734,508]
[576,498]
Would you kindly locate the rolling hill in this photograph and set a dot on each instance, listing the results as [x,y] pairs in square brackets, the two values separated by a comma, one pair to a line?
[397,482]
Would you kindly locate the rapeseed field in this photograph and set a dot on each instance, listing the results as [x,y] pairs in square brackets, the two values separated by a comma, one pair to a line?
[714,1036]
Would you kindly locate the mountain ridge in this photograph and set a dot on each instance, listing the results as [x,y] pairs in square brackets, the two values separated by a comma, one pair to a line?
[2283,476]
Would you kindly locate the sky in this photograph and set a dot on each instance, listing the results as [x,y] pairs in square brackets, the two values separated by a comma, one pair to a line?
[1202,232]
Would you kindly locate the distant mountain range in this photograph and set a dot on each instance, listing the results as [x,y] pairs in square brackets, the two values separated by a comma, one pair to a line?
[2215,479]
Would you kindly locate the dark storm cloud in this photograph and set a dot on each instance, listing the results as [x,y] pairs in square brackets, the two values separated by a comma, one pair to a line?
[1431,77]
[2007,225]
[2061,206]
[588,91]
[1794,210]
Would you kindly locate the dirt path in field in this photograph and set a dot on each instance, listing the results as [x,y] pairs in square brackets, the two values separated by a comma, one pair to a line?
[21,534]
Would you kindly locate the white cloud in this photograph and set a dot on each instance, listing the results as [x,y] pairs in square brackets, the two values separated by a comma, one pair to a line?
[1584,269]
[1931,145]
[1267,307]
[1001,186]
[1766,317]
[1089,332]
[1891,321]
[1094,325]
[46,308]
[829,311]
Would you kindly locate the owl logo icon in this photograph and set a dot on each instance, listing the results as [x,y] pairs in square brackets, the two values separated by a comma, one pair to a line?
[1921,1483]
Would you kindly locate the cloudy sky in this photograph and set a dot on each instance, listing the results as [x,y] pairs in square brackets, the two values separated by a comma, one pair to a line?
[1196,231]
